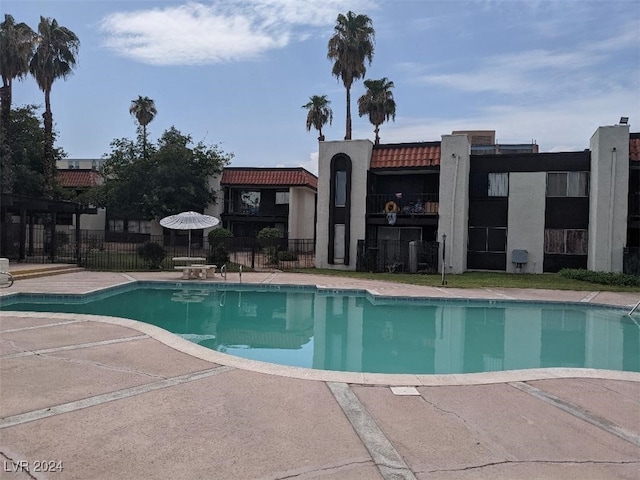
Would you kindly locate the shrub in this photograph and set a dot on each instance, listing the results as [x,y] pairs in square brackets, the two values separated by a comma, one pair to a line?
[269,239]
[287,255]
[219,239]
[152,253]
[603,278]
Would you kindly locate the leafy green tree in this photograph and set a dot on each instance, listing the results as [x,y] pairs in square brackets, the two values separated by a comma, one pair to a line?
[54,58]
[319,113]
[16,48]
[351,44]
[144,109]
[26,143]
[378,103]
[174,177]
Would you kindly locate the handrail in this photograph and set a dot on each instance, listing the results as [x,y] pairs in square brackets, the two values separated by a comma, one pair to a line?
[223,271]
[634,308]
[240,273]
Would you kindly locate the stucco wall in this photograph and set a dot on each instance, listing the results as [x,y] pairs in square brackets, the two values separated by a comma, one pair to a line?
[525,227]
[302,205]
[93,221]
[608,198]
[359,151]
[454,201]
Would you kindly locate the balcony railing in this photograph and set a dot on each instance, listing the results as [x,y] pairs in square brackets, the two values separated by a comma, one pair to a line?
[260,210]
[403,204]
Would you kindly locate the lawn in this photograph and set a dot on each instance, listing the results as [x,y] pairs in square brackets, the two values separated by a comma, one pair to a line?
[550,281]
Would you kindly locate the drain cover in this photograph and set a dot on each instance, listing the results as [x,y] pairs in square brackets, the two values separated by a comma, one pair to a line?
[404,391]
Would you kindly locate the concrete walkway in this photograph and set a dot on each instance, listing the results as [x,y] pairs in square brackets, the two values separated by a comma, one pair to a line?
[105,398]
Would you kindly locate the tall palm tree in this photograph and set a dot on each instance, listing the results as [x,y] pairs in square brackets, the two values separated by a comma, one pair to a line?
[16,48]
[378,103]
[54,57]
[319,114]
[351,44]
[144,109]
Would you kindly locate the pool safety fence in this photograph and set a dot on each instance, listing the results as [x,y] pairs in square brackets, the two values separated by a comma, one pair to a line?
[394,256]
[104,250]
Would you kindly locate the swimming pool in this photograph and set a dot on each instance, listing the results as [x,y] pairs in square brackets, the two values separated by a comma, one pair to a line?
[351,330]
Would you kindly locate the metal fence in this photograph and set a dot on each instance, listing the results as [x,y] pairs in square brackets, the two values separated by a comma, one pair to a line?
[96,250]
[631,261]
[397,256]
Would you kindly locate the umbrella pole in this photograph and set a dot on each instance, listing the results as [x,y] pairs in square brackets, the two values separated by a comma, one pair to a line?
[189,249]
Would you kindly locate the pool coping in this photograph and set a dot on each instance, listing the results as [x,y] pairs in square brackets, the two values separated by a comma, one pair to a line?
[203,353]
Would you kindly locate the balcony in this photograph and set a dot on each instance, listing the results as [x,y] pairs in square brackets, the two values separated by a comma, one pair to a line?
[258,210]
[409,204]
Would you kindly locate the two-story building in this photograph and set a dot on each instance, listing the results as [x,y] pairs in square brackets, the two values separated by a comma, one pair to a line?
[488,207]
[256,198]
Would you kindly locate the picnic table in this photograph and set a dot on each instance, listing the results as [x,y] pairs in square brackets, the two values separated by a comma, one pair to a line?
[194,267]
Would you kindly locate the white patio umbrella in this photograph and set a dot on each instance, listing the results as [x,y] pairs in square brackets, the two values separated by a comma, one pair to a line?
[189,221]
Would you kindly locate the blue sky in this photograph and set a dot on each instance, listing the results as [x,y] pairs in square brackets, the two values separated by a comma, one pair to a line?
[236,73]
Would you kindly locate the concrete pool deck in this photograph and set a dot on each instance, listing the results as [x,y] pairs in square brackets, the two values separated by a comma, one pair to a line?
[117,399]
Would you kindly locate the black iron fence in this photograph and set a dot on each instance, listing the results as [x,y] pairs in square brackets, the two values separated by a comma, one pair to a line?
[403,204]
[631,261]
[97,250]
[397,256]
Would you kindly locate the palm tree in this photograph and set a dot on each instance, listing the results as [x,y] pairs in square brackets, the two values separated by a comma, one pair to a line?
[16,48]
[319,114]
[378,103]
[349,47]
[144,109]
[54,57]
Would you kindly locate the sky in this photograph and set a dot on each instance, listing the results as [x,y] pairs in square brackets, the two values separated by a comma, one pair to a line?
[236,72]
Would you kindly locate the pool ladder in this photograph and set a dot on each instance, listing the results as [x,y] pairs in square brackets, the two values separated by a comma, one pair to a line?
[223,271]
[634,308]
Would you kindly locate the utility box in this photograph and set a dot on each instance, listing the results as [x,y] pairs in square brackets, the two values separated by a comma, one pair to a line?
[519,258]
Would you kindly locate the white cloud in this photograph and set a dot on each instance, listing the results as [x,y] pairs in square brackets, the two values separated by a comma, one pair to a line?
[555,126]
[310,165]
[197,33]
[544,73]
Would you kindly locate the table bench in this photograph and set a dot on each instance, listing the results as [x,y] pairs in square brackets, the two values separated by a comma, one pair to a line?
[197,271]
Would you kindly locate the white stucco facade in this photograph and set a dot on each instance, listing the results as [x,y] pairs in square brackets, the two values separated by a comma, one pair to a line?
[454,201]
[608,198]
[302,206]
[527,198]
[359,151]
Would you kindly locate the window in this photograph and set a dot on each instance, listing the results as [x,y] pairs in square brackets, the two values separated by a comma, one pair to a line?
[116,225]
[489,185]
[282,198]
[487,239]
[341,188]
[566,241]
[567,184]
[250,202]
[498,185]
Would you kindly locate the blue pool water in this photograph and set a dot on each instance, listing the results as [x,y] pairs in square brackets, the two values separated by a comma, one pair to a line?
[354,331]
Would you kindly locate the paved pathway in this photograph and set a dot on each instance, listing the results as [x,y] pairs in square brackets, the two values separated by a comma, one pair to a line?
[106,399]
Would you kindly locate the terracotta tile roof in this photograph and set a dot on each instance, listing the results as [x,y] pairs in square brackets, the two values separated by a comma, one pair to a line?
[275,177]
[78,178]
[406,155]
[634,147]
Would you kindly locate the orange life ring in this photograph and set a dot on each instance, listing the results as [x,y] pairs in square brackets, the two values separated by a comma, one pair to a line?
[391,207]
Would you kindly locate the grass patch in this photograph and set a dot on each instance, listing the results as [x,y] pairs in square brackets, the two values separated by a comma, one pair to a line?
[549,281]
